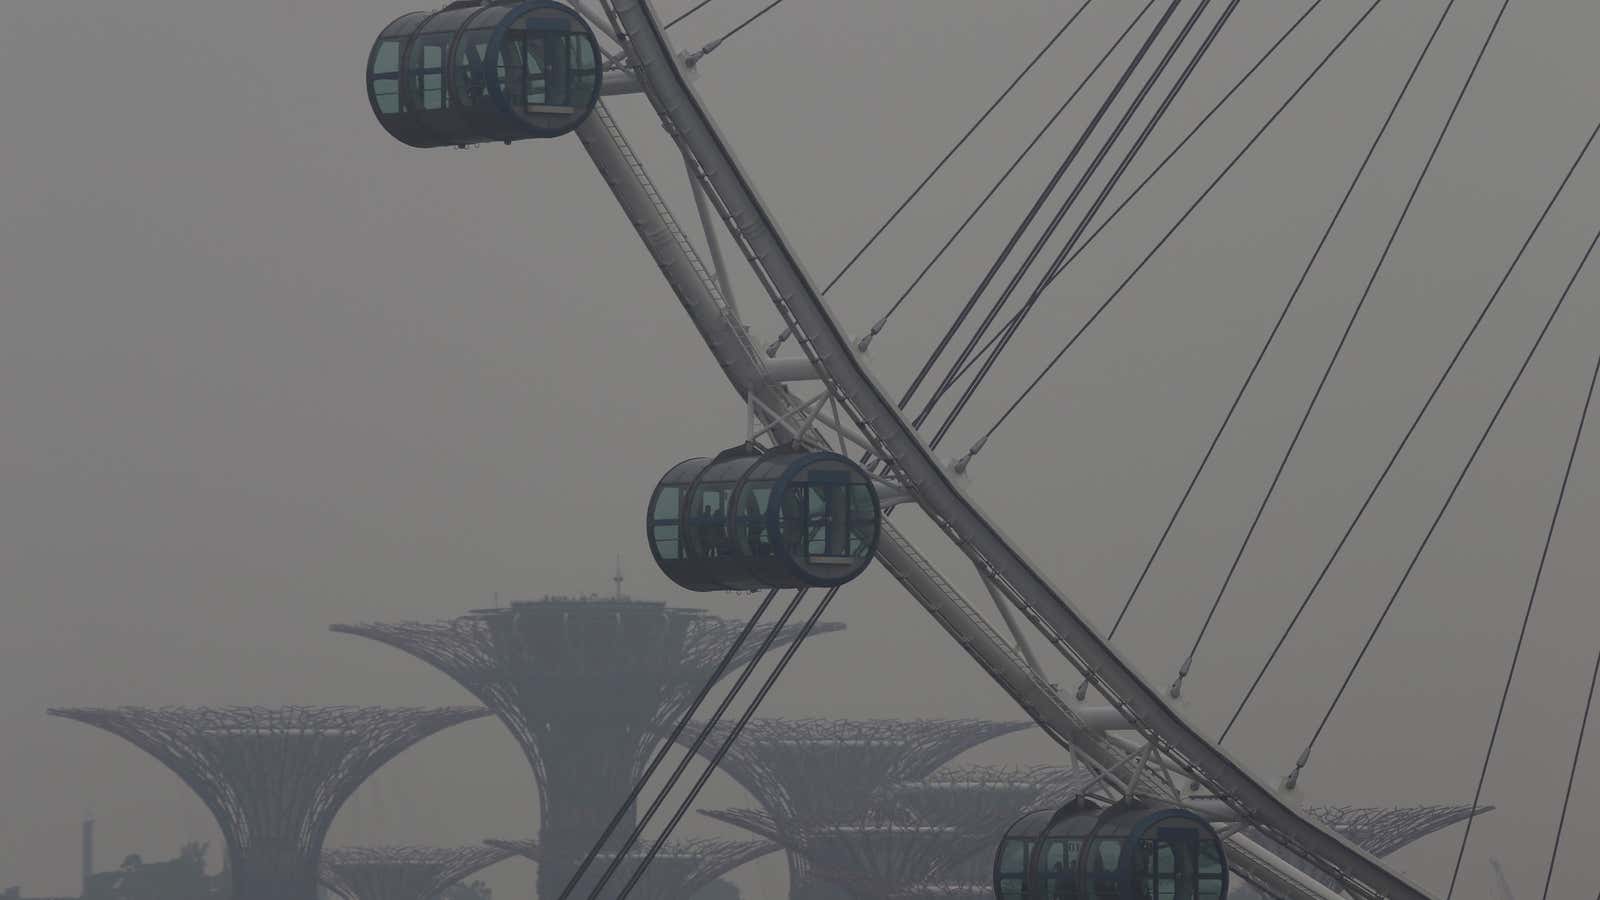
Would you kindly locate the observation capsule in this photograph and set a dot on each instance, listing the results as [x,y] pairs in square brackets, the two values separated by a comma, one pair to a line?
[749,519]
[484,70]
[1127,851]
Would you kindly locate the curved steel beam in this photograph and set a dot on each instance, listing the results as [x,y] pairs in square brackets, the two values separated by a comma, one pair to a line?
[937,492]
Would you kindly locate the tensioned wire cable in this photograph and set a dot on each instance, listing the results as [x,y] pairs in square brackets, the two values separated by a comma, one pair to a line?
[1454,488]
[1227,581]
[1049,230]
[1272,335]
[1572,774]
[677,772]
[1344,337]
[1405,439]
[671,741]
[727,743]
[1522,633]
[1038,204]
[1182,219]
[917,191]
[1009,331]
[995,188]
[1056,271]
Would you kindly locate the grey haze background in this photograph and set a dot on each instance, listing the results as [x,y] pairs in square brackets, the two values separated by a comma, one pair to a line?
[262,369]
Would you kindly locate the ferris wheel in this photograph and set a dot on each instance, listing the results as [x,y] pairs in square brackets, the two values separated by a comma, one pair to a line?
[830,453]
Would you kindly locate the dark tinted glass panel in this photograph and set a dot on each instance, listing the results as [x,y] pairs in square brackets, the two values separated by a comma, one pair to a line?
[386,76]
[752,521]
[427,71]
[469,72]
[1101,868]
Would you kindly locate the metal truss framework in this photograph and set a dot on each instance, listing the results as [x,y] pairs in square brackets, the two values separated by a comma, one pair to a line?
[403,873]
[870,415]
[930,838]
[586,687]
[274,778]
[679,871]
[1379,830]
[984,800]
[1382,830]
[805,771]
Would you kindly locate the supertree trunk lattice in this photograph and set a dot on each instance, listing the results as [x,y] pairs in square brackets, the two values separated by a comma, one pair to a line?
[586,686]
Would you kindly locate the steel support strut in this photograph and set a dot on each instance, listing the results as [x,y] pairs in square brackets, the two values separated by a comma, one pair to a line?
[864,401]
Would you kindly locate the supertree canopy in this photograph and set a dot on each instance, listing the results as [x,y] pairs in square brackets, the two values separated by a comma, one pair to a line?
[1379,830]
[274,778]
[811,774]
[680,871]
[403,873]
[926,838]
[586,686]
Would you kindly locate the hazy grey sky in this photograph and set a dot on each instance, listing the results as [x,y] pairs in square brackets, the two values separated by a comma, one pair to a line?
[262,369]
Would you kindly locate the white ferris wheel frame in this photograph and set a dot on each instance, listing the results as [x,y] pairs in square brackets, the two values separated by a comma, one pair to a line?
[858,411]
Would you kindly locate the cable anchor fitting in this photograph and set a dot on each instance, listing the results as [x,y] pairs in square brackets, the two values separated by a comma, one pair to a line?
[1293,780]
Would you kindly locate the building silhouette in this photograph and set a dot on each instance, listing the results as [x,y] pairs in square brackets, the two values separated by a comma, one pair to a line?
[587,686]
[274,778]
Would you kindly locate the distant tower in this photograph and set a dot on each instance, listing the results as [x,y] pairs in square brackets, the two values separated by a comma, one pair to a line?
[273,778]
[617,579]
[680,871]
[586,687]
[403,873]
[822,773]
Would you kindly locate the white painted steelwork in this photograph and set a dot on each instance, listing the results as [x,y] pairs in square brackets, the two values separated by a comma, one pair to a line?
[1180,745]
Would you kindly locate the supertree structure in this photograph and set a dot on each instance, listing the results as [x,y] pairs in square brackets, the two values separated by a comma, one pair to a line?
[983,801]
[680,871]
[810,774]
[1379,830]
[586,686]
[274,778]
[403,873]
[926,838]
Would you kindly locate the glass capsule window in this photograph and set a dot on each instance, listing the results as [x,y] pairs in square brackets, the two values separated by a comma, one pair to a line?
[1124,852]
[752,519]
[471,73]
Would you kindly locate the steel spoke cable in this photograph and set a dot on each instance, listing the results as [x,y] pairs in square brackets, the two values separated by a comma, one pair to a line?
[1305,274]
[995,188]
[684,15]
[1082,182]
[1572,774]
[671,740]
[1349,328]
[1255,366]
[746,23]
[917,191]
[1033,211]
[1009,330]
[683,764]
[727,744]
[1522,634]
[1460,477]
[1411,429]
[1149,177]
[1182,219]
